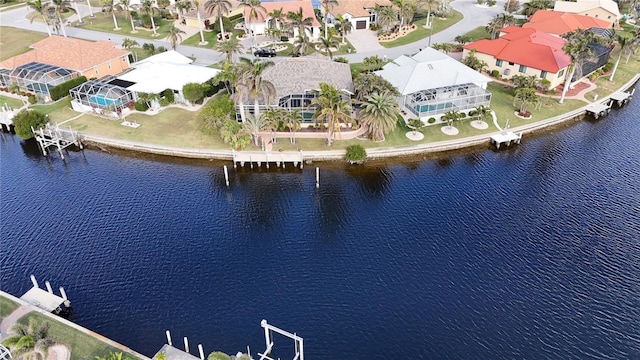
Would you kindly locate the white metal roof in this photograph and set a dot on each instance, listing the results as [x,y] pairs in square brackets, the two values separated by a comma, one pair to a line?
[429,69]
[167,70]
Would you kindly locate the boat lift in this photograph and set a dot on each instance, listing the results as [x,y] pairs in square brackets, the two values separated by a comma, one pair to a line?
[298,341]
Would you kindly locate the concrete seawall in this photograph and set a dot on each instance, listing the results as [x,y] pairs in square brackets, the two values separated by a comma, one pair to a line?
[375,153]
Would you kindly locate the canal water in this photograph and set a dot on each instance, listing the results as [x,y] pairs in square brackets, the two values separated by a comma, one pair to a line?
[529,253]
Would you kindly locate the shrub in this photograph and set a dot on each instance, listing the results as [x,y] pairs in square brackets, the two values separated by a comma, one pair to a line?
[168,94]
[495,73]
[431,120]
[228,25]
[140,106]
[232,134]
[284,38]
[164,102]
[356,154]
[216,113]
[193,92]
[32,99]
[607,67]
[62,90]
[134,15]
[25,119]
[341,60]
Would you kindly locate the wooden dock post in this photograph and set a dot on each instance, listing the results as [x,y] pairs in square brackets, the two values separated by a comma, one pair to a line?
[48,285]
[186,345]
[169,338]
[317,177]
[34,281]
[66,302]
[226,176]
[201,351]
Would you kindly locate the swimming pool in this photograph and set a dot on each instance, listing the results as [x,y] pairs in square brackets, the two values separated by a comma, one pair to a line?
[102,100]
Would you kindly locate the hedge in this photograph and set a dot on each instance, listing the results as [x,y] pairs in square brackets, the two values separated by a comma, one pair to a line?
[62,90]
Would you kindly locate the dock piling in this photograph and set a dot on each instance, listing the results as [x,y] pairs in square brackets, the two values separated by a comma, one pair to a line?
[317,177]
[48,285]
[34,281]
[226,176]
[186,345]
[169,338]
[201,351]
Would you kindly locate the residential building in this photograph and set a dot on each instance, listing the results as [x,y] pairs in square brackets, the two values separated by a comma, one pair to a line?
[431,83]
[361,13]
[264,21]
[559,23]
[599,9]
[524,51]
[36,78]
[208,18]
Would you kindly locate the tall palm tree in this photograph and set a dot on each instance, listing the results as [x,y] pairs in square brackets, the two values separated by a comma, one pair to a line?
[495,25]
[175,36]
[526,97]
[625,47]
[366,84]
[41,9]
[577,47]
[406,10]
[29,341]
[299,22]
[110,6]
[197,4]
[328,43]
[327,5]
[256,12]
[256,124]
[451,116]
[149,8]
[125,5]
[229,48]
[529,8]
[330,106]
[380,113]
[251,77]
[182,7]
[481,112]
[427,5]
[59,7]
[301,45]
[277,18]
[386,16]
[293,119]
[220,7]
[344,26]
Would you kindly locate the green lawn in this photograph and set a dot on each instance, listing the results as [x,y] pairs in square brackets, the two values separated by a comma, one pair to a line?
[104,22]
[209,36]
[13,103]
[478,33]
[421,32]
[7,306]
[625,72]
[82,346]
[58,111]
[16,41]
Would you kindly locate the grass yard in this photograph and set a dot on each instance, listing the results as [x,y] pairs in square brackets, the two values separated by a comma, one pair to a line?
[58,111]
[7,306]
[478,34]
[104,22]
[13,103]
[625,72]
[421,32]
[82,346]
[16,41]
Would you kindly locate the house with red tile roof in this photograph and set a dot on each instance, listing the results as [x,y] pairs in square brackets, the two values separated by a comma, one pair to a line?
[559,23]
[361,13]
[91,59]
[606,10]
[264,21]
[524,51]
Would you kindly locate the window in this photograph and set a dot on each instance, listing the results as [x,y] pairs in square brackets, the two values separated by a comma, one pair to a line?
[609,17]
[523,69]
[510,63]
[561,73]
[543,74]
[499,63]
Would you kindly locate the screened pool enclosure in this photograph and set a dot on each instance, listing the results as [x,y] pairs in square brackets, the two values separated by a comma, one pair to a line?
[102,97]
[36,77]
[432,102]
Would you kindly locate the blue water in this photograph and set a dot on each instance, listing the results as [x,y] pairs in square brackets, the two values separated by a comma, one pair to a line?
[529,253]
[104,101]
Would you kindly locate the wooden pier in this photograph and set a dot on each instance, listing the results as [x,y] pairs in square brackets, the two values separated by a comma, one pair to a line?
[55,136]
[622,98]
[267,157]
[6,118]
[506,138]
[599,109]
[46,300]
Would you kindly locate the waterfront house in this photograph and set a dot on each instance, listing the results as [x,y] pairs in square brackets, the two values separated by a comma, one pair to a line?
[209,18]
[559,23]
[264,22]
[606,10]
[361,13]
[432,83]
[524,51]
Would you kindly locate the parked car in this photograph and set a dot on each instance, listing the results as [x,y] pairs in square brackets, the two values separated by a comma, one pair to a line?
[264,53]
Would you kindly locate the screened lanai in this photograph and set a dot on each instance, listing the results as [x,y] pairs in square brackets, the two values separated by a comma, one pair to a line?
[101,96]
[37,77]
[462,97]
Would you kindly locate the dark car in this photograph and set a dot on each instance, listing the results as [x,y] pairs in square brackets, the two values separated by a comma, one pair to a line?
[264,53]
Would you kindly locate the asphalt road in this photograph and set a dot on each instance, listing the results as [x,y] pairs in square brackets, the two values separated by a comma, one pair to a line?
[474,16]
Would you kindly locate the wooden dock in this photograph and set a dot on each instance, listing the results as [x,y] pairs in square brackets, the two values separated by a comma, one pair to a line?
[172,353]
[599,109]
[506,138]
[57,137]
[268,157]
[622,98]
[46,300]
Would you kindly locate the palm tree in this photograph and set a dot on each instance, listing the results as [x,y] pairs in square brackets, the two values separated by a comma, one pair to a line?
[197,3]
[526,97]
[219,6]
[175,36]
[473,62]
[60,6]
[298,21]
[128,44]
[251,78]
[301,45]
[277,18]
[495,25]
[577,47]
[228,76]
[125,5]
[366,84]
[344,26]
[256,12]
[150,9]
[41,9]
[229,48]
[406,10]
[110,7]
[182,7]
[386,16]
[625,47]
[293,119]
[529,8]
[451,116]
[30,341]
[327,43]
[463,39]
[482,112]
[428,5]
[331,107]
[380,113]
[256,124]
[327,5]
